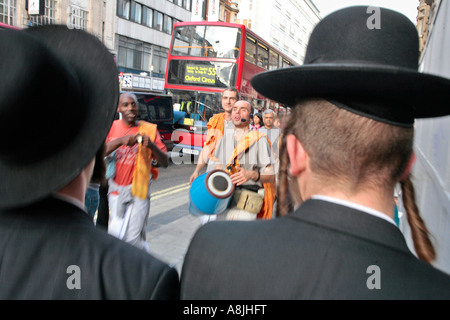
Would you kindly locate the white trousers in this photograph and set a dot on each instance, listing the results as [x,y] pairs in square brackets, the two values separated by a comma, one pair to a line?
[131,227]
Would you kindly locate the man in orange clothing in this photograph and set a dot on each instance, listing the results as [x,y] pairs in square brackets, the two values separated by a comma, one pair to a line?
[135,144]
[216,127]
[247,154]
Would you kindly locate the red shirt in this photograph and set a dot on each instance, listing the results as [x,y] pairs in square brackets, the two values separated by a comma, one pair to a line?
[125,155]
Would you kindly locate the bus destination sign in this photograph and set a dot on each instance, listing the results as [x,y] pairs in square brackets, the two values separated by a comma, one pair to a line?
[200,74]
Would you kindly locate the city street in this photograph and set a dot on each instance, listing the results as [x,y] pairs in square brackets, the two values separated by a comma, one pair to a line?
[170,226]
[329,118]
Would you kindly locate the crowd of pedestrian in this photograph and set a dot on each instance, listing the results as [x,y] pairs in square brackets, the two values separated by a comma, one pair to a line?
[329,170]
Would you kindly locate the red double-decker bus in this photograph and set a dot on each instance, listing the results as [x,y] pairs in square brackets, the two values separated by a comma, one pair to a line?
[204,59]
[8,26]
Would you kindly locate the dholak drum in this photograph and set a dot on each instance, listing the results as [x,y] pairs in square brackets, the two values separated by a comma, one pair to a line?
[210,193]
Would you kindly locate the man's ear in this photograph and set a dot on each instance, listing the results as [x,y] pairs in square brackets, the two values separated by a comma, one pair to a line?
[297,155]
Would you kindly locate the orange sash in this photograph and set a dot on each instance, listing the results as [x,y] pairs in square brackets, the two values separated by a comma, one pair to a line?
[269,188]
[215,124]
[141,174]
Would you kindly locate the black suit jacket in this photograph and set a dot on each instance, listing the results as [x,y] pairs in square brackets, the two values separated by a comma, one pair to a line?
[321,251]
[40,243]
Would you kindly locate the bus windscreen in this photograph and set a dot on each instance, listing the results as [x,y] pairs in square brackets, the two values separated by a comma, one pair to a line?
[207,41]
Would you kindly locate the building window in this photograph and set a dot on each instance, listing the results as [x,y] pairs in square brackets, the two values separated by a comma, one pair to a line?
[50,14]
[136,12]
[187,5]
[159,61]
[158,20]
[134,56]
[8,12]
[123,9]
[168,24]
[146,58]
[147,17]
[78,18]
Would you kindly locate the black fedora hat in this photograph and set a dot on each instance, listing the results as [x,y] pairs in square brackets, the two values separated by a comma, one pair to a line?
[368,67]
[58,96]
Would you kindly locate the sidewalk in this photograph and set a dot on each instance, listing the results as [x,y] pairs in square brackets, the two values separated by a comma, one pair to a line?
[169,233]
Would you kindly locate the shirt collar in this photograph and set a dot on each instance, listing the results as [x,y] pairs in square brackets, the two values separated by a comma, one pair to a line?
[356,206]
[71,200]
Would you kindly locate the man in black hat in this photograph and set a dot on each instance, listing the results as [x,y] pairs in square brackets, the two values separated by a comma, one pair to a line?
[58,99]
[347,143]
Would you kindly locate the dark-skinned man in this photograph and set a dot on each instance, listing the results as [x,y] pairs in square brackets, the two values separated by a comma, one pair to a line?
[135,144]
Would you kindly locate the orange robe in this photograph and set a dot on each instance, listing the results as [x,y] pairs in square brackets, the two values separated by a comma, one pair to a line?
[141,175]
[215,125]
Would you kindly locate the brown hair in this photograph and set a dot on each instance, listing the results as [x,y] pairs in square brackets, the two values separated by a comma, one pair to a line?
[233,89]
[350,151]
[420,234]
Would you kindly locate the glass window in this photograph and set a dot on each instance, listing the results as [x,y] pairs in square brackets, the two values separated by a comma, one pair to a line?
[134,55]
[158,20]
[173,22]
[187,5]
[50,14]
[122,56]
[146,61]
[77,18]
[136,12]
[211,41]
[123,9]
[188,41]
[147,17]
[286,63]
[222,42]
[263,56]
[8,12]
[273,60]
[168,24]
[250,50]
[129,53]
[212,100]
[137,59]
[146,57]
[159,61]
[155,108]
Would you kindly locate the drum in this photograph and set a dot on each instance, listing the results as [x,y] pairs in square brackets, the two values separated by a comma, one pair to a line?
[210,193]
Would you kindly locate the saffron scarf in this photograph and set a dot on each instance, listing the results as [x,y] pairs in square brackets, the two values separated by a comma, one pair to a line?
[143,169]
[269,188]
[217,124]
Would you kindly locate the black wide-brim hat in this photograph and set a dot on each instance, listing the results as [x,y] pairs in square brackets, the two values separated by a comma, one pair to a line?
[365,60]
[58,96]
